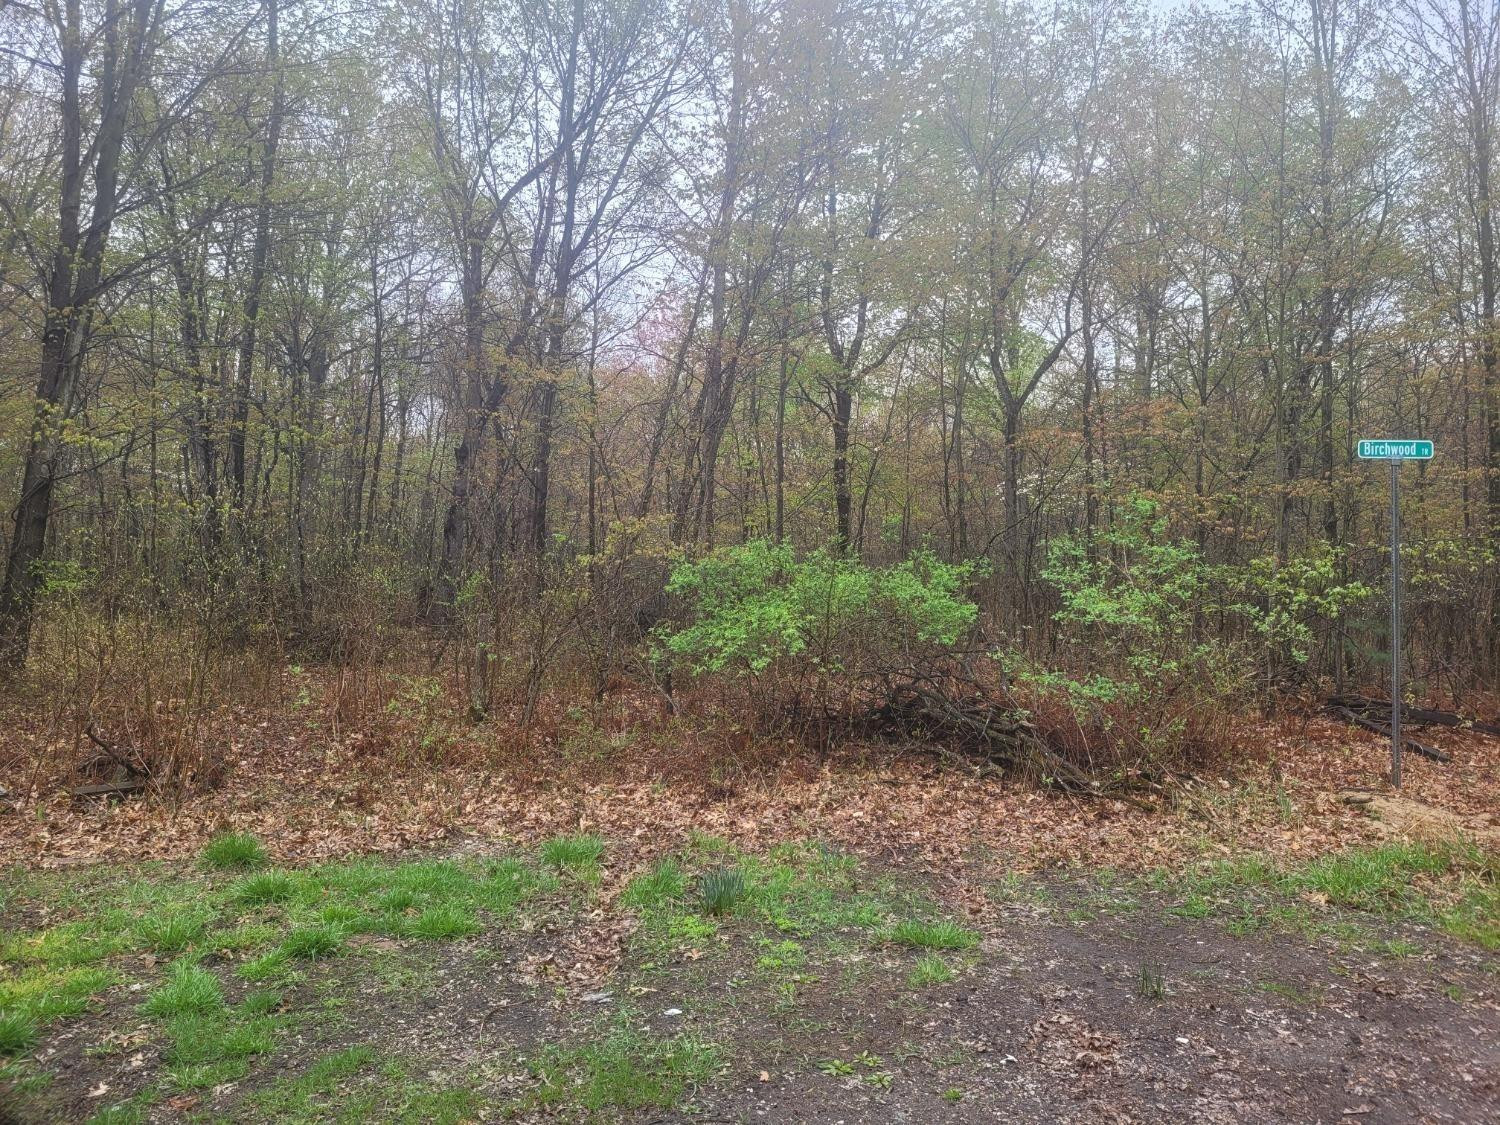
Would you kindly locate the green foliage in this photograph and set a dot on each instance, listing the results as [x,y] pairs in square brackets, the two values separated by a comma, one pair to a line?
[722,889]
[663,884]
[188,989]
[1132,595]
[444,922]
[265,887]
[1153,614]
[232,849]
[929,970]
[171,931]
[18,1031]
[627,1070]
[1286,604]
[939,934]
[578,855]
[757,604]
[313,942]
[303,1097]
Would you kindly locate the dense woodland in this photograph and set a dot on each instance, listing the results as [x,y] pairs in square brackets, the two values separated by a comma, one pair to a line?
[490,327]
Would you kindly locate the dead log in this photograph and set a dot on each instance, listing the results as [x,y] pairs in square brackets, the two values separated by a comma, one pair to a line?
[1416,716]
[1407,743]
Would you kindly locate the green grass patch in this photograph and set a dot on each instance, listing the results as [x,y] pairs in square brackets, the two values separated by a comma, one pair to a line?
[188,990]
[264,888]
[311,943]
[171,931]
[938,934]
[626,1070]
[664,884]
[234,850]
[210,1046]
[576,855]
[39,994]
[18,1031]
[444,922]
[1453,886]
[315,1094]
[929,970]
[722,889]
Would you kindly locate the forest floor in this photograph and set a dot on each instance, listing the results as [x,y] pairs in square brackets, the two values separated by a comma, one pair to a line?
[859,937]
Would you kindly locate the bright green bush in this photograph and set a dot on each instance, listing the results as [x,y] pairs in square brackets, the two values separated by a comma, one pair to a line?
[758,607]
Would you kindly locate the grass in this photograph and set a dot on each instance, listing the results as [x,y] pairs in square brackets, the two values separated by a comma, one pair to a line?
[39,994]
[234,851]
[929,970]
[264,888]
[212,1048]
[311,943]
[665,883]
[577,855]
[444,922]
[188,990]
[625,1070]
[171,931]
[18,1032]
[1453,886]
[938,934]
[305,1097]
[805,918]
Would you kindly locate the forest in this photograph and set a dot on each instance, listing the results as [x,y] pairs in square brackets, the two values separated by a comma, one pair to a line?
[922,427]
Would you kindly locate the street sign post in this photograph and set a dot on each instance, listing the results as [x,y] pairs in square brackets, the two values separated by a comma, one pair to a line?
[1395,451]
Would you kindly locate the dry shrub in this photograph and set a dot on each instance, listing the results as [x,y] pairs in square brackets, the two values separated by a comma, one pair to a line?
[1132,741]
[135,694]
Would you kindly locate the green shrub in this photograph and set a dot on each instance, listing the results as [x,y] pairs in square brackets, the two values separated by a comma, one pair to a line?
[230,850]
[757,607]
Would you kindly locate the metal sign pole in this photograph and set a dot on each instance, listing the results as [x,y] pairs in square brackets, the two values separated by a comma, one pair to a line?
[1394,451]
[1396,622]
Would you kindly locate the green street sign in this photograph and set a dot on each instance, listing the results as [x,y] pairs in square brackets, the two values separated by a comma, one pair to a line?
[1395,449]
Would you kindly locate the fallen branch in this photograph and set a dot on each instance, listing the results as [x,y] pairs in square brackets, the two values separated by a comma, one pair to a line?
[1416,716]
[1407,743]
[109,789]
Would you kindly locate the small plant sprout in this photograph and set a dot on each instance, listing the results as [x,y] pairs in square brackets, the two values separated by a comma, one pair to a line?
[722,889]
